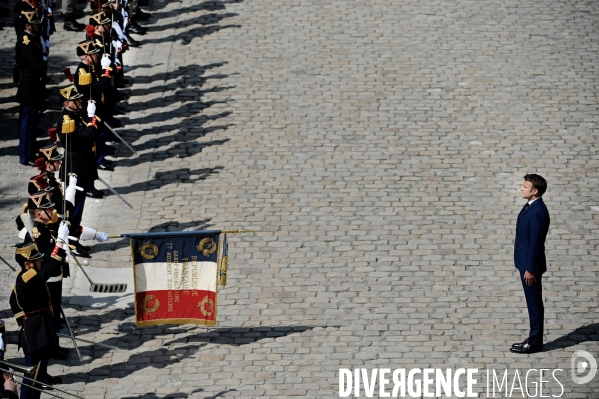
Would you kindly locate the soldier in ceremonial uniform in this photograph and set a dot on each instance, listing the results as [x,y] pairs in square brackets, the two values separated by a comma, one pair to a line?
[29,74]
[32,308]
[95,86]
[77,132]
[41,211]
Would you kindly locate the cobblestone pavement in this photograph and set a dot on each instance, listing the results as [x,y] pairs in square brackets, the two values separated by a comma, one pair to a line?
[378,146]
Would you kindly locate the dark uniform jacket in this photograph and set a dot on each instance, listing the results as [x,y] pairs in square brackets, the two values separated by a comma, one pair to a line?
[45,239]
[31,69]
[30,299]
[77,137]
[99,86]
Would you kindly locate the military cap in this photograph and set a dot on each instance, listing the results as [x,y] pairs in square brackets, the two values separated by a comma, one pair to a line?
[38,183]
[70,93]
[30,17]
[26,252]
[99,18]
[86,47]
[40,200]
[50,153]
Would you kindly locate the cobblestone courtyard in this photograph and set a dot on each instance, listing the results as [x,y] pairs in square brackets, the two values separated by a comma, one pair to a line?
[379,147]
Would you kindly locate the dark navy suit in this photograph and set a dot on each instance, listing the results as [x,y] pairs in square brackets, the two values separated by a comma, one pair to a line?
[529,255]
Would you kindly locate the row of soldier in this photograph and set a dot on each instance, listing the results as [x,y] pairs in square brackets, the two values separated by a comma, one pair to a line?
[101,56]
[50,224]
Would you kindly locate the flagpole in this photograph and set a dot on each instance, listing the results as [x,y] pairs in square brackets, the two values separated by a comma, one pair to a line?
[180,233]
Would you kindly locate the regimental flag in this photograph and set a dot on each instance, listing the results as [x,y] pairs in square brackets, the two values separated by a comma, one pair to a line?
[175,277]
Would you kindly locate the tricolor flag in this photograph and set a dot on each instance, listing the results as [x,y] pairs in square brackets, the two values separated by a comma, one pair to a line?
[175,277]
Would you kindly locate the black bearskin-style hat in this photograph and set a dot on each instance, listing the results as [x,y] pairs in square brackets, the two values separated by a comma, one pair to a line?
[50,153]
[70,93]
[26,252]
[98,19]
[38,183]
[40,200]
[86,47]
[30,17]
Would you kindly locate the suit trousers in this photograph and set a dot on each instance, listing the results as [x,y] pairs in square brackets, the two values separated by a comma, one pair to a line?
[39,356]
[27,133]
[536,310]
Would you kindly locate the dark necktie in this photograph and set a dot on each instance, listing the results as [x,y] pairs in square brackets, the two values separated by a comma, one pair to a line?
[526,206]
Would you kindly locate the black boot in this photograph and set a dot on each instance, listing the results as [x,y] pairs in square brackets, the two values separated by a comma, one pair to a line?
[71,24]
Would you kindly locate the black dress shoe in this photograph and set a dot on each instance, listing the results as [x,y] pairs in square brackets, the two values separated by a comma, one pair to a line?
[58,355]
[80,253]
[137,29]
[73,26]
[114,122]
[81,247]
[64,350]
[104,166]
[110,150]
[520,343]
[108,162]
[124,81]
[142,16]
[526,349]
[95,193]
[52,380]
[132,42]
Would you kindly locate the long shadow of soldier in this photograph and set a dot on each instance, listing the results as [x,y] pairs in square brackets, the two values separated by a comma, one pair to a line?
[163,357]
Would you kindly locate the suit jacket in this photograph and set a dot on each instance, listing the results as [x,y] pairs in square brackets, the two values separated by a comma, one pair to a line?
[531,230]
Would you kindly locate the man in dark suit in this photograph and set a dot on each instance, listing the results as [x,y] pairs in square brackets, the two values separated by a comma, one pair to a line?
[529,257]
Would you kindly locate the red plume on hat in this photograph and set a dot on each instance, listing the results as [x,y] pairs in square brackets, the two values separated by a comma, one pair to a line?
[90,31]
[52,134]
[68,74]
[41,164]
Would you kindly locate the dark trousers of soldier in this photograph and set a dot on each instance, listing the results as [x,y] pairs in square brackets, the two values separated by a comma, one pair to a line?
[100,145]
[132,8]
[75,217]
[28,117]
[55,290]
[39,356]
[68,8]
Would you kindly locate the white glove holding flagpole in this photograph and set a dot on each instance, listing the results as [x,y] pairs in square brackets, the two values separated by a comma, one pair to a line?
[91,108]
[105,61]
[63,233]
[70,191]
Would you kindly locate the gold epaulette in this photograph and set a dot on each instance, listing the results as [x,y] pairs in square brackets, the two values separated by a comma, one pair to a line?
[26,40]
[85,78]
[28,275]
[68,124]
[24,209]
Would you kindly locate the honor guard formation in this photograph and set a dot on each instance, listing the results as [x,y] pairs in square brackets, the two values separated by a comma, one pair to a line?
[50,222]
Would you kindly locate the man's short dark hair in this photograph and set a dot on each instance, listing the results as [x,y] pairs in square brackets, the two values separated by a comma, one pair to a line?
[538,182]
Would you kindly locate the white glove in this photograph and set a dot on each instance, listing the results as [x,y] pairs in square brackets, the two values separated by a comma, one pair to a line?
[101,236]
[63,232]
[105,61]
[118,46]
[49,11]
[69,194]
[91,108]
